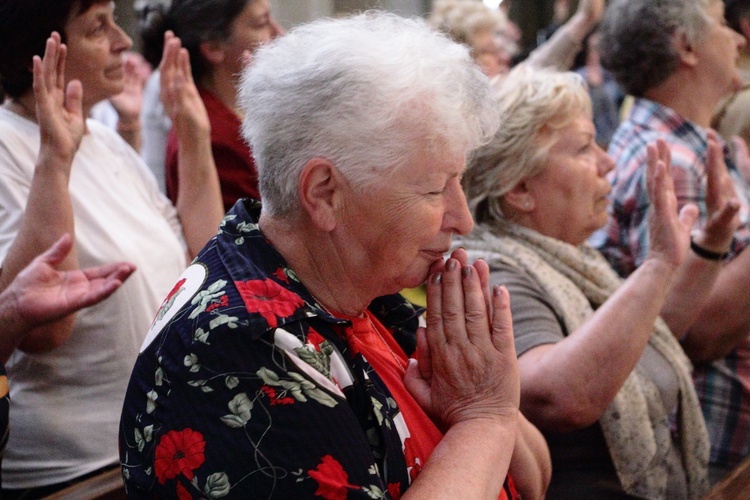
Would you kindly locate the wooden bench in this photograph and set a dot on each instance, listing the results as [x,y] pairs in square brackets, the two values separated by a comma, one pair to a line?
[105,486]
[736,485]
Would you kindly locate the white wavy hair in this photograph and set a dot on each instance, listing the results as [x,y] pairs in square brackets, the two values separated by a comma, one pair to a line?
[366,93]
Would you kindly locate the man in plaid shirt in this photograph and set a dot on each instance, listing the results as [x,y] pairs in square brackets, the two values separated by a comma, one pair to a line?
[678,59]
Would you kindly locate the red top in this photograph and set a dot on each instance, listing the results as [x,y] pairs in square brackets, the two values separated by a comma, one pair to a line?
[369,337]
[234,161]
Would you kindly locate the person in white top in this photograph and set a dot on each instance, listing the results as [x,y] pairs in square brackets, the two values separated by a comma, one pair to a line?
[60,173]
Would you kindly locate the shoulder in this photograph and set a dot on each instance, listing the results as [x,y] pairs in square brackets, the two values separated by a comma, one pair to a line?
[18,135]
[535,320]
[520,284]
[220,382]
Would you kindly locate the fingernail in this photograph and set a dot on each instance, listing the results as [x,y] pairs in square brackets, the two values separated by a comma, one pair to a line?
[496,290]
[466,271]
[437,278]
[450,265]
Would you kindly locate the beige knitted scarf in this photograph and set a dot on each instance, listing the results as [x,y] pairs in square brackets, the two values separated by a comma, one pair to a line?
[578,280]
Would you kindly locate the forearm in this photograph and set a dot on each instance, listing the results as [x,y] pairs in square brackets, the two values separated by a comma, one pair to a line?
[560,50]
[724,320]
[130,131]
[199,201]
[690,292]
[471,461]
[530,466]
[569,384]
[48,215]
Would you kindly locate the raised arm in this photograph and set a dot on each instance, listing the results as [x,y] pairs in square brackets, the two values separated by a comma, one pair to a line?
[696,276]
[568,385]
[724,321]
[42,294]
[467,381]
[560,50]
[49,213]
[199,201]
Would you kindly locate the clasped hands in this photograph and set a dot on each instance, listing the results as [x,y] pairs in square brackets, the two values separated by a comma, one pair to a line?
[466,366]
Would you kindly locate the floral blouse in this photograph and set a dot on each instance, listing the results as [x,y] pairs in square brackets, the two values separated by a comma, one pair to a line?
[243,388]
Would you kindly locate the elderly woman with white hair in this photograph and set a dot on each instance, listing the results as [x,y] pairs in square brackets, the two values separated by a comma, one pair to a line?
[279,364]
[602,375]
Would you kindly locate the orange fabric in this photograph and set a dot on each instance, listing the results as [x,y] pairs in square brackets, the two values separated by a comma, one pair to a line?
[369,337]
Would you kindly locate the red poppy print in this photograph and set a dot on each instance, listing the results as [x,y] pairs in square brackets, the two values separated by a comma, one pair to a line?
[332,479]
[274,398]
[179,452]
[394,490]
[413,462]
[315,339]
[269,299]
[281,275]
[183,493]
[223,301]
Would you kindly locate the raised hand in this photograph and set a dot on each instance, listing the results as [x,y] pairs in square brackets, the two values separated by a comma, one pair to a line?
[182,102]
[669,232]
[41,294]
[467,365]
[592,10]
[721,201]
[129,102]
[58,106]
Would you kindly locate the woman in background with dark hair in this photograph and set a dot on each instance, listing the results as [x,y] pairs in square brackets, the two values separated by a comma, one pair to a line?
[61,173]
[219,35]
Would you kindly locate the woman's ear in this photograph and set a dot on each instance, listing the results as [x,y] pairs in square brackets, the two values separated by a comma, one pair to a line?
[519,199]
[212,51]
[320,189]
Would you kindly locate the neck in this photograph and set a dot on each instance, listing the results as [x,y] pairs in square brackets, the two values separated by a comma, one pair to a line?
[223,86]
[687,97]
[26,106]
[312,255]
[23,106]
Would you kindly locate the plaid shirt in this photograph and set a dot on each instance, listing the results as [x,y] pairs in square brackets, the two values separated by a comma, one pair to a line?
[724,385]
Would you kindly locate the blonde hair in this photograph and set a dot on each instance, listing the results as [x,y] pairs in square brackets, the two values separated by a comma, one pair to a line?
[534,105]
[462,19]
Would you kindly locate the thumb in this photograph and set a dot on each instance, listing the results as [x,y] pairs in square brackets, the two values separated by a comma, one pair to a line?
[74,97]
[58,251]
[423,354]
[417,386]
[502,322]
[688,215]
[246,57]
[724,217]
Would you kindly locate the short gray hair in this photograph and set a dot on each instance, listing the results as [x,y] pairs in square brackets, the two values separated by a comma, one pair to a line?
[535,104]
[365,92]
[637,39]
